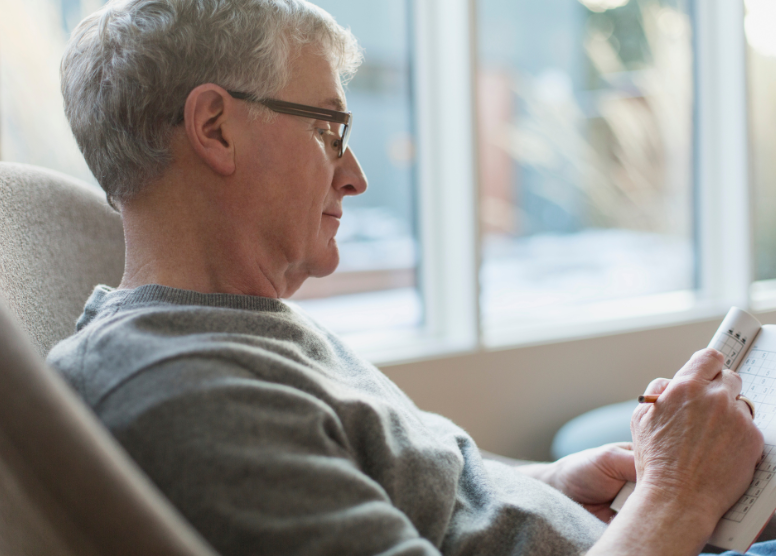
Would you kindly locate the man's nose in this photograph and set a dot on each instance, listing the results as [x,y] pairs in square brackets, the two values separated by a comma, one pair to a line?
[350,176]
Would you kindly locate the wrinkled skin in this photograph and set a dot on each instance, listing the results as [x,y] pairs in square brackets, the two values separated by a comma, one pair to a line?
[697,441]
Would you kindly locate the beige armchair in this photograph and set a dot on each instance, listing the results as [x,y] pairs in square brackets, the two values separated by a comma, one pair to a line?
[66,487]
[58,239]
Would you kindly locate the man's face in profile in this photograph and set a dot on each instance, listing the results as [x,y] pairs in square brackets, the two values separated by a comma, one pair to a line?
[292,180]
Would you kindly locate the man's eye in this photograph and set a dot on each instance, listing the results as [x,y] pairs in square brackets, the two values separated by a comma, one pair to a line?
[329,135]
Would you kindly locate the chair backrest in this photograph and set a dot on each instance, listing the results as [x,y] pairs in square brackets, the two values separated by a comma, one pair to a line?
[58,239]
[66,486]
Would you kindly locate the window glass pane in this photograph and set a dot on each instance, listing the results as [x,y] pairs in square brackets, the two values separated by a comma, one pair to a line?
[761,39]
[33,127]
[585,121]
[375,286]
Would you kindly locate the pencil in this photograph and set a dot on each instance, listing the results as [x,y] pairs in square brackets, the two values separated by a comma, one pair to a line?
[648,399]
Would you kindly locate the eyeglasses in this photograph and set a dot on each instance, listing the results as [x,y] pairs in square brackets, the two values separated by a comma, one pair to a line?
[344,119]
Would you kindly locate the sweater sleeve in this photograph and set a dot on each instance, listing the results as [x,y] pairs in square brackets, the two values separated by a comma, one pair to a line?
[257,467]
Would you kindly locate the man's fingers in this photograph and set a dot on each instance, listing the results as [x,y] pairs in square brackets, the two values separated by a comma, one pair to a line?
[654,388]
[730,381]
[657,386]
[705,364]
[744,405]
[621,462]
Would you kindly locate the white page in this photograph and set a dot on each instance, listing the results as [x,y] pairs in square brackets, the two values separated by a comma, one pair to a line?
[735,335]
[744,521]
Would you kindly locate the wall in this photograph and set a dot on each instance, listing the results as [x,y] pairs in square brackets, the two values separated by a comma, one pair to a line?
[513,401]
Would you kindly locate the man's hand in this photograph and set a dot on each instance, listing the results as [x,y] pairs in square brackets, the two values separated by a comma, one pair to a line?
[695,451]
[592,477]
[697,442]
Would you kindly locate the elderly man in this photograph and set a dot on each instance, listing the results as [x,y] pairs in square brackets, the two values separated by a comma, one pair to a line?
[219,129]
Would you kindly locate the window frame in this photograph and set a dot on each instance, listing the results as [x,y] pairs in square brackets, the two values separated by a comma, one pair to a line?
[444,68]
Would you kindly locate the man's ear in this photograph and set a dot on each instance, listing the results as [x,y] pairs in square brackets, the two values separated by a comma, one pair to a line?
[209,118]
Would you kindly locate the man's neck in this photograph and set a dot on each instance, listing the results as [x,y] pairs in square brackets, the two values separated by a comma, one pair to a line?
[184,250]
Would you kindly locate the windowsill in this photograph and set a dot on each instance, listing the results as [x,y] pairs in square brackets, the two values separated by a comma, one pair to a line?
[610,317]
[613,317]
[763,296]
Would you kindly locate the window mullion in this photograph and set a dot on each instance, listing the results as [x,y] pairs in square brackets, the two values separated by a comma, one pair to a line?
[448,223]
[725,231]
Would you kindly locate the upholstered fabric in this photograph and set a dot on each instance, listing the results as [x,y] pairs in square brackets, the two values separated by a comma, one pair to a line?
[66,487]
[58,239]
[24,529]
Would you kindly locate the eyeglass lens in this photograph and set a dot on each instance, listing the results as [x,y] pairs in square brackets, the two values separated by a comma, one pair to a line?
[345,136]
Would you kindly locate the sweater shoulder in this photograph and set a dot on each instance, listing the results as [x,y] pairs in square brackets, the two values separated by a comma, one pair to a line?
[119,342]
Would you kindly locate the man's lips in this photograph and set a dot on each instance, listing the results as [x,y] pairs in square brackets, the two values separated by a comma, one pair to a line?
[336,215]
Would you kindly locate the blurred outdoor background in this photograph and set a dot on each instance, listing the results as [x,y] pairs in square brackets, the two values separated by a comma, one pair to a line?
[586,133]
[585,122]
[761,57]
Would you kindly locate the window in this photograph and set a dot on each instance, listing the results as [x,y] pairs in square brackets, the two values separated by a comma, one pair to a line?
[761,57]
[538,170]
[585,113]
[33,127]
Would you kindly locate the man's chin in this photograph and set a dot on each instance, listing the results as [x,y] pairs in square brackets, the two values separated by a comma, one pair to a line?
[323,265]
[327,263]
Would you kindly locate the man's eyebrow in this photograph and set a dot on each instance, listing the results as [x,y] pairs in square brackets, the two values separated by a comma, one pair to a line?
[335,103]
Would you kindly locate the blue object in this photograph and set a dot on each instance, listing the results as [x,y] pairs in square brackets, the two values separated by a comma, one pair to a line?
[759,549]
[610,423]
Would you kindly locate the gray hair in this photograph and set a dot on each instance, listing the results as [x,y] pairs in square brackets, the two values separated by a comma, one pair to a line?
[129,68]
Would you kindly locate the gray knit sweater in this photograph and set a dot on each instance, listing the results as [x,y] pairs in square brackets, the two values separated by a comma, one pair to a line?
[272,437]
